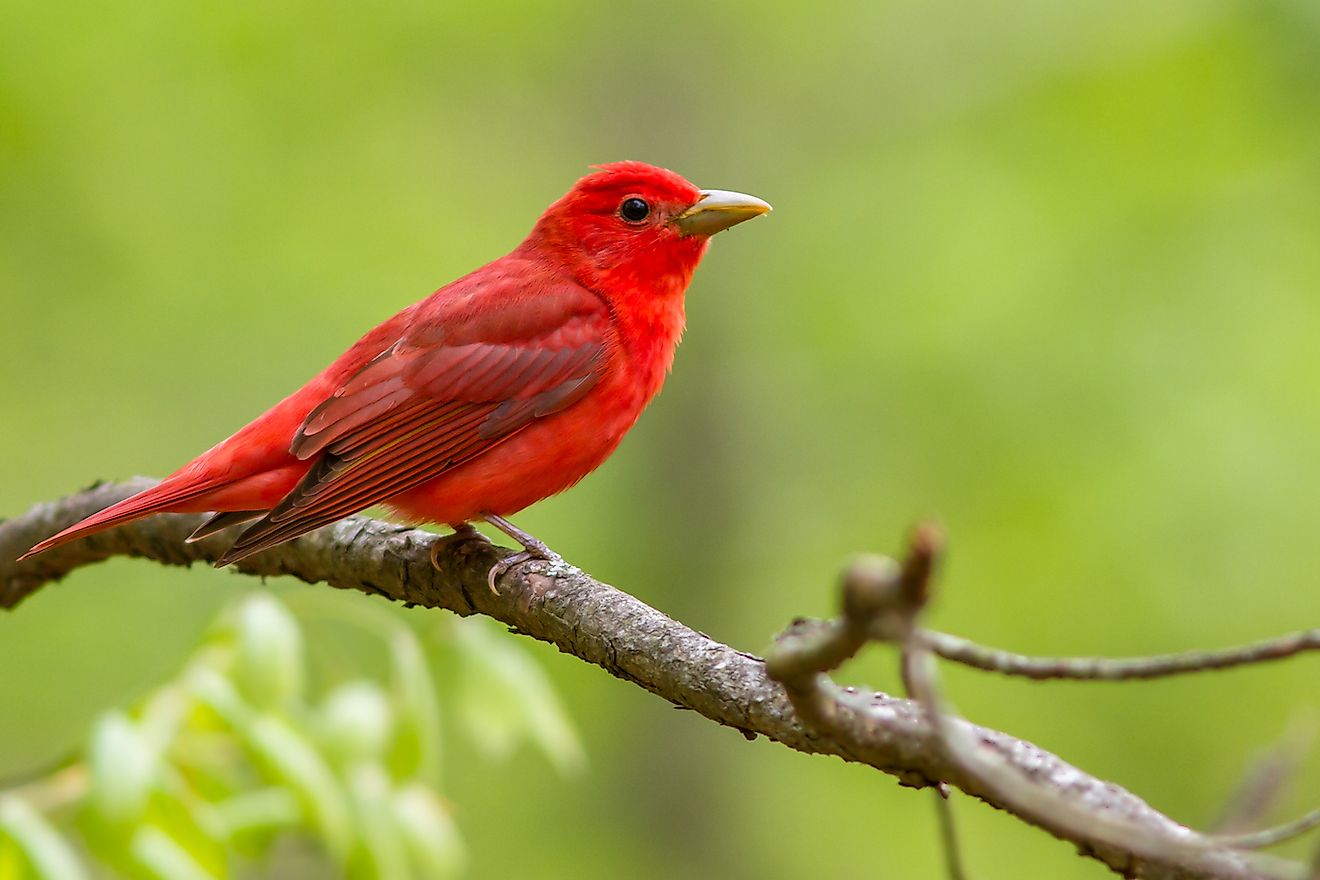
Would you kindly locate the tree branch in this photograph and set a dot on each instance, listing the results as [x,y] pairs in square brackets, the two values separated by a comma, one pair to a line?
[559,604]
[962,651]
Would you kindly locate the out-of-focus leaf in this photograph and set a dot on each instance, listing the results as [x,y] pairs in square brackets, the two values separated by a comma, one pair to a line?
[428,831]
[12,864]
[288,755]
[210,757]
[381,853]
[270,660]
[506,697]
[355,722]
[549,725]
[296,762]
[124,769]
[47,853]
[163,715]
[184,819]
[163,857]
[218,694]
[417,740]
[258,812]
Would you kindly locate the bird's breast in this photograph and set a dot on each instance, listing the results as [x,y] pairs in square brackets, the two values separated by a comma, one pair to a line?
[540,460]
[556,451]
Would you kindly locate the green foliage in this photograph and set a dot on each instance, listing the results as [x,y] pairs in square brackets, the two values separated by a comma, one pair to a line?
[415,747]
[506,698]
[235,753]
[269,657]
[28,843]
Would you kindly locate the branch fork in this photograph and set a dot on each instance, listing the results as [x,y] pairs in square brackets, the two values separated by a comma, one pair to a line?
[788,697]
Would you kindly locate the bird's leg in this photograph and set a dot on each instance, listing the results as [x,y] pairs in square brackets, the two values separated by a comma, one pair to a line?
[463,532]
[532,548]
[466,531]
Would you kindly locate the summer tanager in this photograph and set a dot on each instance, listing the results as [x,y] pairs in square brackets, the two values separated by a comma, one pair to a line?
[499,389]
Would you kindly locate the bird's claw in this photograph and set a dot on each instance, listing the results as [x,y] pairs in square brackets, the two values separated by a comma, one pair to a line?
[532,548]
[499,569]
[463,533]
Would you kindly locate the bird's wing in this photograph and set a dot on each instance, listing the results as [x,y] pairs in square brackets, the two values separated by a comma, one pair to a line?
[473,368]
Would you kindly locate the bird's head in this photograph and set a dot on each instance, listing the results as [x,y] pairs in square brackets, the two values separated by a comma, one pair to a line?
[630,225]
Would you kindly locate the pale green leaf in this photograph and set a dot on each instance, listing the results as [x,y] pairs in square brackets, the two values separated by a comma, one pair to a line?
[506,697]
[163,857]
[381,853]
[295,761]
[48,854]
[287,755]
[124,769]
[262,810]
[417,741]
[356,722]
[270,662]
[429,832]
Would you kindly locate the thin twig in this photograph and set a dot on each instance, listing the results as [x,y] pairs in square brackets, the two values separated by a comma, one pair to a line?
[1272,836]
[909,598]
[968,653]
[1267,778]
[953,864]
[894,608]
[989,767]
[57,791]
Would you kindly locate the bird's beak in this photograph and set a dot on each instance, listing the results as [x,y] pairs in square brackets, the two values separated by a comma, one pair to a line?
[718,209]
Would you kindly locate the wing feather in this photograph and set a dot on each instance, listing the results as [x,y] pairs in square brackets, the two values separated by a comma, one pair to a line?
[452,387]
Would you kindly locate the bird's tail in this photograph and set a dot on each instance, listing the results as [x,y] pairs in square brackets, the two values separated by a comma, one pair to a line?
[164,497]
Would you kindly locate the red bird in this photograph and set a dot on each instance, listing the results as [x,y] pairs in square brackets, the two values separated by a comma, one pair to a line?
[499,389]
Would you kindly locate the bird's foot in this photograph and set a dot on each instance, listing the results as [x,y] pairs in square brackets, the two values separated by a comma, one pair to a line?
[463,533]
[532,548]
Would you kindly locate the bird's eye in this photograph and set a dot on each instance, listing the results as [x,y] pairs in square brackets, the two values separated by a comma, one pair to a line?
[634,210]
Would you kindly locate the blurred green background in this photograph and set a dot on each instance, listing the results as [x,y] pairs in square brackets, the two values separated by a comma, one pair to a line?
[1044,271]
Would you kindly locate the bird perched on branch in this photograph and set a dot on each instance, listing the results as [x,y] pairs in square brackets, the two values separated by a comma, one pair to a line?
[499,389]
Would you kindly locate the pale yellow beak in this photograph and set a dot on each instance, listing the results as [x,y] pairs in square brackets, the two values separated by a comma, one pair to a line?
[717,210]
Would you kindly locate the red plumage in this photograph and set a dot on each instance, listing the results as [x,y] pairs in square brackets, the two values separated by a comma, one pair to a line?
[499,389]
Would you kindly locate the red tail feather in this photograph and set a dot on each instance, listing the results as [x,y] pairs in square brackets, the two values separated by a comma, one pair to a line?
[161,498]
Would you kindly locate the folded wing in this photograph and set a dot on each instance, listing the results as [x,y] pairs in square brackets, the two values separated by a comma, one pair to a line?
[472,370]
